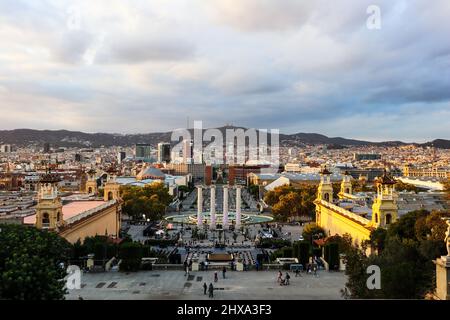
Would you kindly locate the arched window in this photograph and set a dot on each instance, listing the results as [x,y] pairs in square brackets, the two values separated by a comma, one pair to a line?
[327,197]
[45,220]
[110,195]
[347,190]
[376,217]
[388,219]
[90,190]
[58,216]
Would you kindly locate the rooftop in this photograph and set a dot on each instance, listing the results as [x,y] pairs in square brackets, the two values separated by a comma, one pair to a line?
[70,210]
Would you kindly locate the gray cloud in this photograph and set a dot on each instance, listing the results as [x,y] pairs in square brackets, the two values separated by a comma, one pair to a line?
[297,66]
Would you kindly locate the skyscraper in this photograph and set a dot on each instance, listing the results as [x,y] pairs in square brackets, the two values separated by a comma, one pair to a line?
[120,156]
[163,152]
[142,151]
[188,151]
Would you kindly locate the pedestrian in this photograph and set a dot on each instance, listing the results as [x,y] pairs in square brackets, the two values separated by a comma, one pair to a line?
[257,265]
[205,287]
[296,272]
[211,290]
[287,278]
[224,270]
[315,271]
[216,278]
[206,265]
[186,269]
[280,276]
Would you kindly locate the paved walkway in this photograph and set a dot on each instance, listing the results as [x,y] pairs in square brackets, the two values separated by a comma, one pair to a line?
[252,285]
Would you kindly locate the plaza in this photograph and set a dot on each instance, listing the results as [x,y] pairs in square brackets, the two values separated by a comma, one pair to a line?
[164,285]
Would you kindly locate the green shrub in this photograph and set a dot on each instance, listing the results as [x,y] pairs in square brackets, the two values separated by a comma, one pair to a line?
[331,253]
[131,255]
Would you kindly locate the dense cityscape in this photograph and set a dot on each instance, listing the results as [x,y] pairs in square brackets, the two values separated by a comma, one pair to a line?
[224,158]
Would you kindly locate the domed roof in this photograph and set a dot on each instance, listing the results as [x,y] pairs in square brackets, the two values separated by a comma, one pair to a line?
[150,173]
[325,171]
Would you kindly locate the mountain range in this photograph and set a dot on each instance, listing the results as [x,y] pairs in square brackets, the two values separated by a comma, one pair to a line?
[66,138]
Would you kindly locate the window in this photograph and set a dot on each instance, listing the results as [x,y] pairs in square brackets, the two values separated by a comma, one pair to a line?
[388,218]
[45,220]
[376,217]
[110,195]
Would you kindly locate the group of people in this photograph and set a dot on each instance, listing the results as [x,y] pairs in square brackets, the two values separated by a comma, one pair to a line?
[283,281]
[312,268]
[209,288]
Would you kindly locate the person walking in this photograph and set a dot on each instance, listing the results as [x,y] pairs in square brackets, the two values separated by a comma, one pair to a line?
[280,276]
[315,271]
[211,290]
[224,270]
[205,288]
[297,272]
[185,268]
[287,278]
[216,278]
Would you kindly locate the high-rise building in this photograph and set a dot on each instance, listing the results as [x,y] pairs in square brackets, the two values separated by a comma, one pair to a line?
[188,151]
[164,152]
[142,151]
[120,156]
[46,147]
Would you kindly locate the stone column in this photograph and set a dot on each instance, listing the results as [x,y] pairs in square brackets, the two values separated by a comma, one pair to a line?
[238,207]
[199,206]
[225,207]
[213,208]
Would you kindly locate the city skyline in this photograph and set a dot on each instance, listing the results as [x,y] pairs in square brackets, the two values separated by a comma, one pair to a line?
[299,67]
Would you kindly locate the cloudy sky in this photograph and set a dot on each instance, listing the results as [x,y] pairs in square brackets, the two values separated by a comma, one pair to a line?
[300,66]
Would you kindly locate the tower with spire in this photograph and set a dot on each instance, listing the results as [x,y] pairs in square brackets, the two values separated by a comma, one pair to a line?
[49,208]
[385,208]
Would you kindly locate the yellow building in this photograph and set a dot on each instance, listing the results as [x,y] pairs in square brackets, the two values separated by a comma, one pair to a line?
[336,218]
[77,219]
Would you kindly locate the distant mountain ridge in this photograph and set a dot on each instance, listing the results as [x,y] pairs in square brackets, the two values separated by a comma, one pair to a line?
[66,138]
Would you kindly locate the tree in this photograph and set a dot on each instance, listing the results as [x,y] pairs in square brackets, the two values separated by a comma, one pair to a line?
[30,263]
[289,205]
[131,254]
[272,197]
[331,254]
[150,200]
[288,202]
[378,239]
[344,242]
[447,188]
[409,246]
[404,228]
[311,230]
